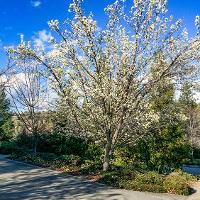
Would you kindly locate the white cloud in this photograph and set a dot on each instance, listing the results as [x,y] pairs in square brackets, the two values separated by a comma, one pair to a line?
[41,38]
[36,4]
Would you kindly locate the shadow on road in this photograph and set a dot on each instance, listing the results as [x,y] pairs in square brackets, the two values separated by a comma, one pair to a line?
[19,181]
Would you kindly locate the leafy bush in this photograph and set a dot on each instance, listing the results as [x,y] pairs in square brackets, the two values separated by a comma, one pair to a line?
[69,159]
[6,128]
[111,178]
[59,144]
[178,183]
[25,140]
[47,156]
[194,162]
[116,177]
[94,153]
[123,156]
[9,147]
[149,181]
[171,139]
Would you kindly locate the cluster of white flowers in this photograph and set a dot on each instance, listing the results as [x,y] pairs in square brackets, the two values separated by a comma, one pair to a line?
[54,24]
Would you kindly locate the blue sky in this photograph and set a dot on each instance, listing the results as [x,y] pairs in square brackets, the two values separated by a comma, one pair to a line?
[31,16]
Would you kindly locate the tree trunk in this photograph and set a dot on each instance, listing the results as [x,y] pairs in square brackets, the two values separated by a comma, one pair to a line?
[106,160]
[35,143]
[111,140]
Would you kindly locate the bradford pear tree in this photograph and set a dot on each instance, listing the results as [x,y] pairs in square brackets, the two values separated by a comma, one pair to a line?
[104,75]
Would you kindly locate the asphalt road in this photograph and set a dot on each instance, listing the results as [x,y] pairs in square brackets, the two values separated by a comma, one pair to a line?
[19,181]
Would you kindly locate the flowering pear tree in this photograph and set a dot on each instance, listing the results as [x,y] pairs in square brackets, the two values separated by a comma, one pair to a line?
[105,75]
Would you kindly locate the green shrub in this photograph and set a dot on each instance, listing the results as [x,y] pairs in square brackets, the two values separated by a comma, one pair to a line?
[9,147]
[171,139]
[111,178]
[149,178]
[69,159]
[194,162]
[91,167]
[47,156]
[116,177]
[134,185]
[123,156]
[178,182]
[94,153]
[60,143]
[24,140]
[149,181]
[6,128]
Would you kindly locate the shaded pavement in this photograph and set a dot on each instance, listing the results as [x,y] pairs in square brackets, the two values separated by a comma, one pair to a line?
[19,181]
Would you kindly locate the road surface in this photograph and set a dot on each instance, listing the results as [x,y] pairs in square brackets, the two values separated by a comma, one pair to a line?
[19,181]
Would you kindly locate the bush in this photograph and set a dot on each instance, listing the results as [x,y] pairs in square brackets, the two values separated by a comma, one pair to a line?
[24,140]
[6,128]
[171,139]
[69,159]
[178,183]
[123,156]
[175,182]
[9,147]
[149,181]
[59,144]
[94,153]
[115,178]
[111,178]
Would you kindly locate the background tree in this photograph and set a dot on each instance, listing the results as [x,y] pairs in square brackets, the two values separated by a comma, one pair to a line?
[27,99]
[190,111]
[167,133]
[6,125]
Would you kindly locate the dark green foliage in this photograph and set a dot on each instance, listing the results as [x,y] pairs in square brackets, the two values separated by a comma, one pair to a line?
[186,99]
[115,177]
[60,143]
[166,146]
[166,150]
[163,97]
[94,153]
[25,140]
[6,125]
[196,153]
[92,159]
[69,159]
[124,155]
[9,147]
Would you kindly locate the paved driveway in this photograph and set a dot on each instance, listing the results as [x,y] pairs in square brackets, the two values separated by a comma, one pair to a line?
[19,181]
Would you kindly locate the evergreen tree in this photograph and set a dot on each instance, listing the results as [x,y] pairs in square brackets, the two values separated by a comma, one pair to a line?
[190,111]
[6,125]
[166,144]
